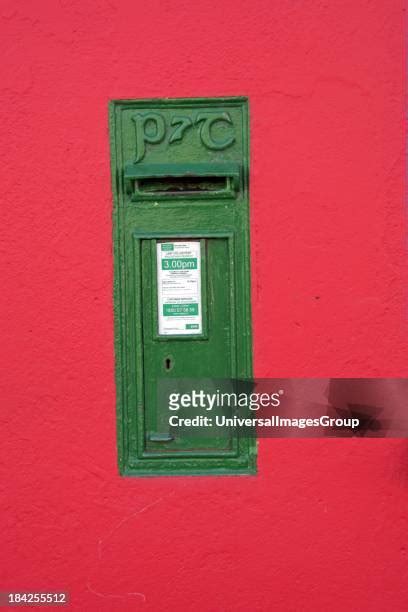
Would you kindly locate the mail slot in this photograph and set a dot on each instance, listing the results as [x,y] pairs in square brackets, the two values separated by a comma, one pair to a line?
[182,180]
[182,275]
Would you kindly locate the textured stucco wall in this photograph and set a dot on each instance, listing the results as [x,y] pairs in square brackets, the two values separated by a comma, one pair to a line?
[324,524]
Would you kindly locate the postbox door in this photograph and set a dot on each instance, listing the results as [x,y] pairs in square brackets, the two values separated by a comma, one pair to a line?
[178,362]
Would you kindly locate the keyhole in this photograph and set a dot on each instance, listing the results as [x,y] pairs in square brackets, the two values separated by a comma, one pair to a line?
[167,363]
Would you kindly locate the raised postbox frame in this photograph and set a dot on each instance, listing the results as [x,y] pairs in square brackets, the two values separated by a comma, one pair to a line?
[180,171]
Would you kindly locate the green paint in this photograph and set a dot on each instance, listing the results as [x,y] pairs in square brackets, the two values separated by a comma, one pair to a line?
[179,173]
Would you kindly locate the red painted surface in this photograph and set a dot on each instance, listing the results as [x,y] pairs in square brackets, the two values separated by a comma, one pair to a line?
[324,524]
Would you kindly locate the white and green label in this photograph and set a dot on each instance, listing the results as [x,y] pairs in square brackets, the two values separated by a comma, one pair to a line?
[179,288]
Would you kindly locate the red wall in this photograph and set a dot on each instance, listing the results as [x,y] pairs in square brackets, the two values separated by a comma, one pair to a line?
[324,524]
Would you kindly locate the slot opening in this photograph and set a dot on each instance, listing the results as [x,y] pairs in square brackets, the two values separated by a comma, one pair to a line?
[182,184]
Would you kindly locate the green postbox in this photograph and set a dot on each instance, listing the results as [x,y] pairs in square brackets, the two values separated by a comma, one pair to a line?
[182,275]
